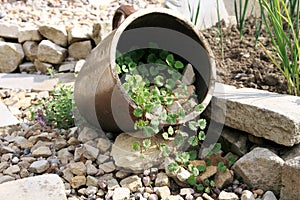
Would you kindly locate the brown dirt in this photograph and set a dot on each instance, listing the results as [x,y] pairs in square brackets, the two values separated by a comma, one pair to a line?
[244,64]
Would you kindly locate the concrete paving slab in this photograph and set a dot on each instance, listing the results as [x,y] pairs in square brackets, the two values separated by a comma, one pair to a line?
[46,187]
[273,116]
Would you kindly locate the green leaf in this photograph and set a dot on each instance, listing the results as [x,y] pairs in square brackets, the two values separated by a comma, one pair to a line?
[153,70]
[124,68]
[176,76]
[217,148]
[164,149]
[192,125]
[169,100]
[132,66]
[193,154]
[146,143]
[163,54]
[158,81]
[206,181]
[200,187]
[136,146]
[178,65]
[148,131]
[118,69]
[151,58]
[193,141]
[179,140]
[138,112]
[173,166]
[170,84]
[195,171]
[231,160]
[181,113]
[165,135]
[221,166]
[155,122]
[201,168]
[170,60]
[202,124]
[201,135]
[212,183]
[170,130]
[192,180]
[207,190]
[172,118]
[199,108]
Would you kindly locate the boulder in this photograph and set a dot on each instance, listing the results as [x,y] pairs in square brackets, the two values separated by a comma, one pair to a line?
[77,34]
[56,34]
[29,34]
[42,66]
[80,50]
[260,168]
[50,52]
[30,49]
[290,179]
[49,187]
[11,55]
[8,30]
[27,67]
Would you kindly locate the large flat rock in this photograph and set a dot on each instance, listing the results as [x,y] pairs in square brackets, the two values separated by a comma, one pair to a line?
[33,81]
[7,118]
[264,114]
[46,187]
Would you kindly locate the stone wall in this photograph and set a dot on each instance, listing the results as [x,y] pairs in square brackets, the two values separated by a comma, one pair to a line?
[36,49]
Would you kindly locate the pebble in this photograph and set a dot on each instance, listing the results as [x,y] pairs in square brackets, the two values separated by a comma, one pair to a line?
[39,166]
[269,195]
[132,182]
[228,196]
[247,195]
[162,180]
[163,192]
[121,193]
[259,192]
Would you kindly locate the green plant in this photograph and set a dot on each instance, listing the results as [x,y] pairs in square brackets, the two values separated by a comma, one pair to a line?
[285,41]
[240,14]
[194,16]
[56,110]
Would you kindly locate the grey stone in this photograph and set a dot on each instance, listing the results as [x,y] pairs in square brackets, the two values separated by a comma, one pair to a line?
[132,182]
[30,49]
[8,118]
[290,180]
[108,167]
[42,151]
[162,180]
[91,181]
[227,196]
[255,111]
[67,174]
[163,192]
[27,67]
[234,141]
[24,173]
[5,178]
[112,184]
[27,82]
[293,152]
[6,149]
[207,197]
[268,169]
[121,194]
[102,159]
[96,33]
[78,181]
[87,134]
[51,52]
[3,166]
[90,168]
[12,170]
[122,174]
[91,190]
[56,34]
[49,187]
[188,77]
[65,156]
[80,63]
[153,197]
[42,67]
[78,168]
[247,195]
[76,34]
[11,55]
[269,195]
[174,107]
[90,152]
[185,191]
[66,67]
[39,166]
[80,50]
[8,30]
[103,145]
[59,143]
[174,197]
[183,174]
[29,34]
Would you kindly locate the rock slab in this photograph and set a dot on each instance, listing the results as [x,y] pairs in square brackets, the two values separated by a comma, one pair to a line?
[273,116]
[11,55]
[47,187]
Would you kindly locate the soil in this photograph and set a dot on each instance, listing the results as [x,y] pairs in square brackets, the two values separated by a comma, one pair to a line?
[244,63]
